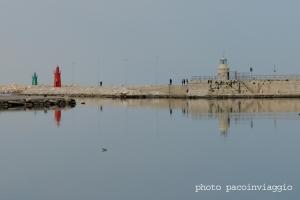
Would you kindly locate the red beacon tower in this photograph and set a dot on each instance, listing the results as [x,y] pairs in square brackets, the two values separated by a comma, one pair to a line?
[57,77]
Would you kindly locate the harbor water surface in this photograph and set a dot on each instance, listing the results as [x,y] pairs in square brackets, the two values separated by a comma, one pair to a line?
[150,149]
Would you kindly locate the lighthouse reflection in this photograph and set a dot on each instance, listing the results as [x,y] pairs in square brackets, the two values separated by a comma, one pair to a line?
[57,117]
[57,112]
[245,111]
[227,112]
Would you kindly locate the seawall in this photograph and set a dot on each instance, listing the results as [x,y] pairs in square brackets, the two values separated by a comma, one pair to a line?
[200,89]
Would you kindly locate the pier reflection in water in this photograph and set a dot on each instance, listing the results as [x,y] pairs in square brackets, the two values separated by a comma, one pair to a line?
[150,149]
[57,112]
[57,116]
[225,111]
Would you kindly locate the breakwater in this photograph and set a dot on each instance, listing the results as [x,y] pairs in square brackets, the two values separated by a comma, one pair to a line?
[194,89]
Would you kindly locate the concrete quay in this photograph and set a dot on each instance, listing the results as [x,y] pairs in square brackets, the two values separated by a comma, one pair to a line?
[226,84]
[195,89]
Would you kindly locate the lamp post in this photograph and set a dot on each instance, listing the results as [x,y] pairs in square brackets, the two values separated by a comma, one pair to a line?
[125,65]
[99,72]
[156,68]
[72,80]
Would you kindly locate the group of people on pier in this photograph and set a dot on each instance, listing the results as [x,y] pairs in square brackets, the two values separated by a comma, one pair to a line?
[184,81]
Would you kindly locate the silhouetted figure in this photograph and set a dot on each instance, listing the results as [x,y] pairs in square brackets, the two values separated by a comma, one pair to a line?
[170,81]
[187,81]
[100,83]
[183,81]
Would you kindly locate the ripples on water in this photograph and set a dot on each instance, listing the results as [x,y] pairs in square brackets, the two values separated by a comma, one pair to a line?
[150,149]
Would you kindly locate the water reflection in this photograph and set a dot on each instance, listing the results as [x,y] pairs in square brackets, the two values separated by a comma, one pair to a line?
[56,110]
[165,145]
[224,111]
[57,116]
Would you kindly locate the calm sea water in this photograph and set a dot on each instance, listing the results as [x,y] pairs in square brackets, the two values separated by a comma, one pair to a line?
[150,149]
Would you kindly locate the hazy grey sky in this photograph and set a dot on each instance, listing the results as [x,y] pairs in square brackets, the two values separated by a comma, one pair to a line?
[139,41]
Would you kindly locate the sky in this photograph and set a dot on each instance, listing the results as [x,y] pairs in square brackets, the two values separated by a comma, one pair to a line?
[145,41]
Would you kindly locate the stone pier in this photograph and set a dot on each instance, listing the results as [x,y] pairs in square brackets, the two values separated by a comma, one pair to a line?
[195,89]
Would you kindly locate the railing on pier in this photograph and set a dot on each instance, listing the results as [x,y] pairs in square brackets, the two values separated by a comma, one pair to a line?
[271,77]
[203,78]
[248,76]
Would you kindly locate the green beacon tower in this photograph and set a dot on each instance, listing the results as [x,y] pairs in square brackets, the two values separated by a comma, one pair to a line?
[34,79]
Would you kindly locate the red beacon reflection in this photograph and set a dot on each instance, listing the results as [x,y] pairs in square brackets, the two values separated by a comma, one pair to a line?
[57,77]
[57,117]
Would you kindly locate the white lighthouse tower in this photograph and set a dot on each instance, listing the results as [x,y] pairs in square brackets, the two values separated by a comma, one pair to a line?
[223,70]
